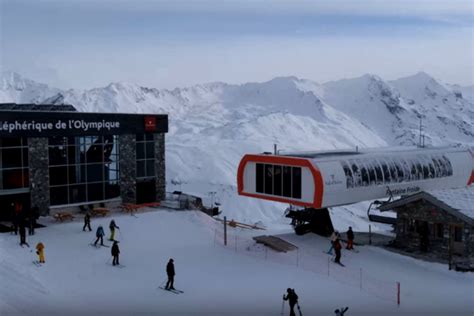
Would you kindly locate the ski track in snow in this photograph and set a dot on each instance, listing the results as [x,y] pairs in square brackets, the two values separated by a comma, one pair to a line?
[76,278]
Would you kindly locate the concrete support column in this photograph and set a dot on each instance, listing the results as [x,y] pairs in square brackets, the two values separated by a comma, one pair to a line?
[38,163]
[128,168]
[160,169]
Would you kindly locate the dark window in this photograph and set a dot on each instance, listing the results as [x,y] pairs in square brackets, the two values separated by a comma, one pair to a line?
[57,175]
[287,181]
[269,179]
[259,178]
[365,175]
[150,150]
[457,234]
[439,230]
[77,193]
[296,182]
[277,176]
[59,195]
[95,191]
[140,150]
[141,171]
[80,165]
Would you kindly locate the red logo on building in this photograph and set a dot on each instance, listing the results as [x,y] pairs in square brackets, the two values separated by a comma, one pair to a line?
[150,123]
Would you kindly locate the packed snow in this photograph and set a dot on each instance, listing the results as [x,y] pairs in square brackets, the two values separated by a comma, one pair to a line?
[217,280]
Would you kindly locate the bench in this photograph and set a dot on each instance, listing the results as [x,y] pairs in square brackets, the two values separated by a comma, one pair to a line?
[100,211]
[62,216]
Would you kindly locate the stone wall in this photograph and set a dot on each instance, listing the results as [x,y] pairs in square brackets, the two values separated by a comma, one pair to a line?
[425,211]
[38,162]
[160,169]
[128,166]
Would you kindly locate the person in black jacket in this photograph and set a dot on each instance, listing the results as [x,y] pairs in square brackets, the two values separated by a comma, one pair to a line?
[115,253]
[33,216]
[292,299]
[171,274]
[87,222]
[350,239]
[22,229]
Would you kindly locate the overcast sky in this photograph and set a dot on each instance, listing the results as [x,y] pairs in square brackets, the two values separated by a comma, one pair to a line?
[165,44]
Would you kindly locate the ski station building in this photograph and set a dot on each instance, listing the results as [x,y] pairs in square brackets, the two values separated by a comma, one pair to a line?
[437,223]
[52,156]
[316,181]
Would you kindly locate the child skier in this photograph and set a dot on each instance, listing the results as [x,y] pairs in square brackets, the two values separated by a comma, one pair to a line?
[40,252]
[87,222]
[112,227]
[115,253]
[350,239]
[100,235]
[292,299]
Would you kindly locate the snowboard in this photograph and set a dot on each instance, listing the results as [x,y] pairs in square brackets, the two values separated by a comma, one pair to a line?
[172,291]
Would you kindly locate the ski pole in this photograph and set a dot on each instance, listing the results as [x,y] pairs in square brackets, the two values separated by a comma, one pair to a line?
[282,306]
[299,309]
[162,283]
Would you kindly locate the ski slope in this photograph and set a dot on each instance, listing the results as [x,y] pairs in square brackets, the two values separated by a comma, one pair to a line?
[217,280]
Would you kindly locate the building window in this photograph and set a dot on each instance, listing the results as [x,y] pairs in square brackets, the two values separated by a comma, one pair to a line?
[457,233]
[278,180]
[14,172]
[145,151]
[388,170]
[83,169]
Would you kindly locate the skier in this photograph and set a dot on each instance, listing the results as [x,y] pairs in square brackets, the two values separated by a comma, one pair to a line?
[87,222]
[341,311]
[115,253]
[350,239]
[292,299]
[32,220]
[337,247]
[100,235]
[112,227]
[23,234]
[170,272]
[40,252]
[333,239]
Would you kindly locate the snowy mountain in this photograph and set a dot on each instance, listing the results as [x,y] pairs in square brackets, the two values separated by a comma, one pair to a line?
[219,122]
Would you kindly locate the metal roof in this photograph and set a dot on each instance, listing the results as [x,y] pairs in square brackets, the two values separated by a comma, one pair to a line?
[37,107]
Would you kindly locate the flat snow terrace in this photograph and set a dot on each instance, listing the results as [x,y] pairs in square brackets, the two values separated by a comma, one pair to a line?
[217,280]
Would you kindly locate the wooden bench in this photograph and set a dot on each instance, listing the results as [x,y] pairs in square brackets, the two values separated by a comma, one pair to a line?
[100,211]
[130,208]
[62,216]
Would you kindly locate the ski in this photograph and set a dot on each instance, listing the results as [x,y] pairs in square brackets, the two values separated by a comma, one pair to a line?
[330,254]
[98,246]
[37,263]
[172,291]
[338,263]
[121,266]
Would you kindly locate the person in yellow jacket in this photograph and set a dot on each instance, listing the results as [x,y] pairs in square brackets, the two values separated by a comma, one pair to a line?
[40,251]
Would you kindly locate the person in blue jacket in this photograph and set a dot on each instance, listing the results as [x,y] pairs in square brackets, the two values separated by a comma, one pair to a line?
[100,235]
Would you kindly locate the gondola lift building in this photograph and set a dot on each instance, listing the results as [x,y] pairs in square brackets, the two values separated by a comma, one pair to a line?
[52,156]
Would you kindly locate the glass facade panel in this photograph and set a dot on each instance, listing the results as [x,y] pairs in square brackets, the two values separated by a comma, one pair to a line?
[14,173]
[145,156]
[83,169]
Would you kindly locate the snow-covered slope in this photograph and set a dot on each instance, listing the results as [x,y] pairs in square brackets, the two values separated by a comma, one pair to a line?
[212,125]
[240,279]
